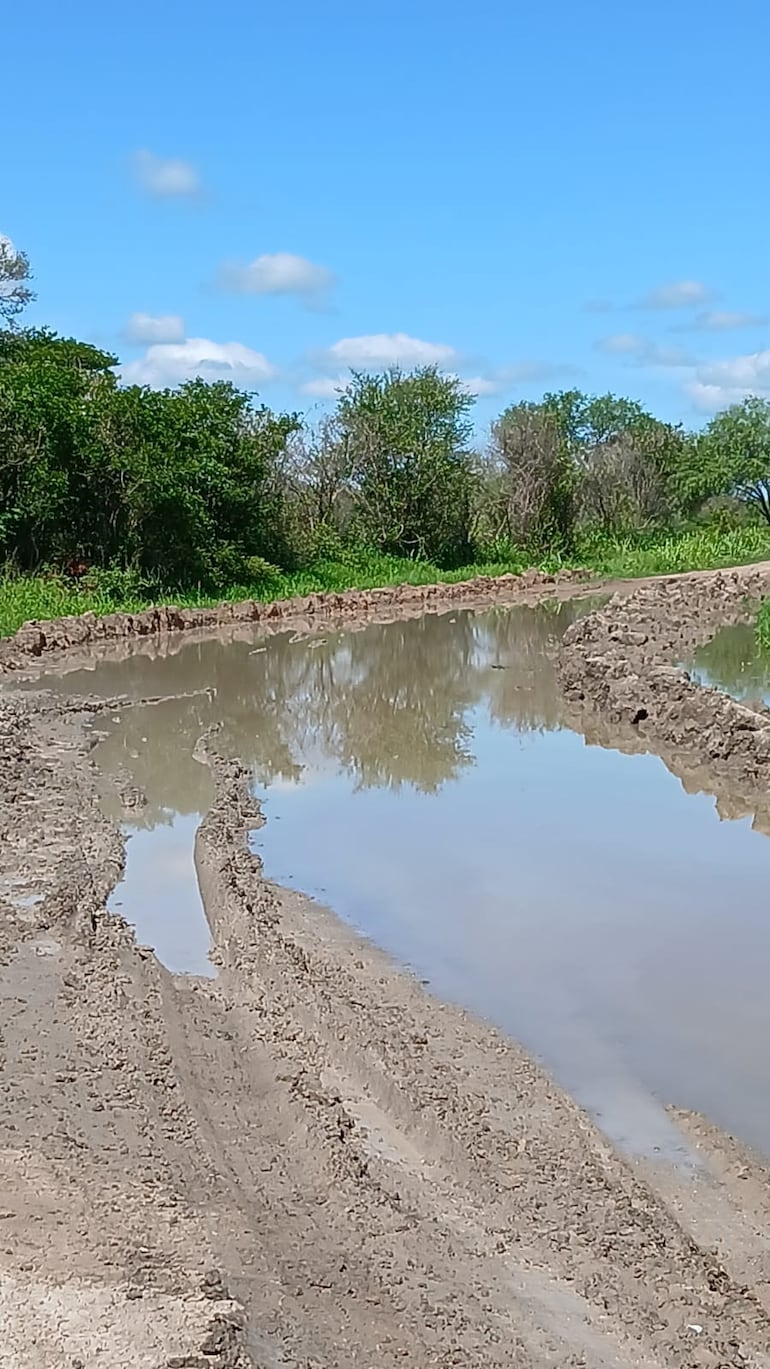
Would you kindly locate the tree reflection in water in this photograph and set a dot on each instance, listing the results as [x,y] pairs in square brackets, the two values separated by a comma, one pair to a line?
[389,706]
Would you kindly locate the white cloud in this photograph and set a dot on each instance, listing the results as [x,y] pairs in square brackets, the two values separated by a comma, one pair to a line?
[642,351]
[389,349]
[678,294]
[166,177]
[708,398]
[721,383]
[722,320]
[481,385]
[167,363]
[328,387]
[149,328]
[324,387]
[277,273]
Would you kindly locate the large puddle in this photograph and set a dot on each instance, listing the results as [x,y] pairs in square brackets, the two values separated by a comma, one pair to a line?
[420,777]
[733,661]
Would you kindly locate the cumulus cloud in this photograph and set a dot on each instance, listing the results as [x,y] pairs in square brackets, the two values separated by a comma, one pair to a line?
[277,273]
[166,178]
[388,349]
[481,385]
[678,294]
[721,321]
[324,387]
[168,363]
[492,383]
[145,329]
[718,384]
[641,351]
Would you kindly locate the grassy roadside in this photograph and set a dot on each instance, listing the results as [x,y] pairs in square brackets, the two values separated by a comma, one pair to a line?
[41,597]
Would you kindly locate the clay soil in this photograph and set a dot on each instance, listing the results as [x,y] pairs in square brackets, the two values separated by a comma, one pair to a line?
[307,1162]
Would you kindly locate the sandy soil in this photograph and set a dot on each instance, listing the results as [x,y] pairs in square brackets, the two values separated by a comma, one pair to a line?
[307,1161]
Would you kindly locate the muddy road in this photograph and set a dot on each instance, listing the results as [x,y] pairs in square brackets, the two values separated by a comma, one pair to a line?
[307,1161]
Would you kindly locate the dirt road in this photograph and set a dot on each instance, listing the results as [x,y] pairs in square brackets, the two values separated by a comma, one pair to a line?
[307,1161]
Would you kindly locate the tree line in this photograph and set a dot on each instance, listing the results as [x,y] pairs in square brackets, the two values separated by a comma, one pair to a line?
[204,485]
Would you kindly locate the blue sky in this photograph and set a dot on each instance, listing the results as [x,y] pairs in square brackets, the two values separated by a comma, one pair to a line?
[576,195]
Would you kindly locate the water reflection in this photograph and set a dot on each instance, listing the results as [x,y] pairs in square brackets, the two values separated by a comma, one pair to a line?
[426,780]
[734,662]
[391,706]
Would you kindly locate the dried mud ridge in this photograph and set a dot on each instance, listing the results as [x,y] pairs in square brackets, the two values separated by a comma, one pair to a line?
[307,1161]
[35,640]
[624,663]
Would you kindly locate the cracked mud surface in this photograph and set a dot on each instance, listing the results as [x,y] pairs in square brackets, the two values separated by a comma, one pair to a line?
[308,1162]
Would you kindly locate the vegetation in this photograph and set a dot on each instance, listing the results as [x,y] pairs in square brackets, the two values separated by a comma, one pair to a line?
[732,458]
[763,625]
[15,292]
[118,495]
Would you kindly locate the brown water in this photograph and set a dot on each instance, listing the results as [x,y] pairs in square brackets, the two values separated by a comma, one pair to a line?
[423,779]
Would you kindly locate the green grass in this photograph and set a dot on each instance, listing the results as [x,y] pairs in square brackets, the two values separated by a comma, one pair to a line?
[668,554]
[24,598]
[763,625]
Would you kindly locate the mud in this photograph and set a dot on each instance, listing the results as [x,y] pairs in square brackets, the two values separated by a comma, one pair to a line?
[35,640]
[307,1161]
[623,664]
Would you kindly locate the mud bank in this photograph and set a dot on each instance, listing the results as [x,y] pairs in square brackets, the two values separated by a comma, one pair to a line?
[624,663]
[35,640]
[308,1162]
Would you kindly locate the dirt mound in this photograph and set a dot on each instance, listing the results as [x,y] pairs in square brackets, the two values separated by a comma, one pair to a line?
[625,662]
[35,639]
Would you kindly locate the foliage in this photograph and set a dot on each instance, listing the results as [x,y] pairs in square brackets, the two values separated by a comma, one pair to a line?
[732,458]
[174,482]
[658,552]
[52,595]
[130,494]
[406,439]
[624,460]
[15,293]
[534,496]
[763,625]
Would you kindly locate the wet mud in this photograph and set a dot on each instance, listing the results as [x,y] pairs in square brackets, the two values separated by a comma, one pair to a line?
[623,664]
[308,1161]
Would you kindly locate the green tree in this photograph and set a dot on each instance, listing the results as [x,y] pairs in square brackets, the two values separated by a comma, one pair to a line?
[407,446]
[175,483]
[186,492]
[15,272]
[530,465]
[625,462]
[586,421]
[48,387]
[732,458]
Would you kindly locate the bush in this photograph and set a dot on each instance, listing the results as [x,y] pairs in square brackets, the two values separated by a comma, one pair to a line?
[406,439]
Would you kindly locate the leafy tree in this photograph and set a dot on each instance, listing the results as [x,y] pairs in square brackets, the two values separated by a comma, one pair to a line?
[535,505]
[732,458]
[177,483]
[587,421]
[184,474]
[625,461]
[314,487]
[406,438]
[47,386]
[15,293]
